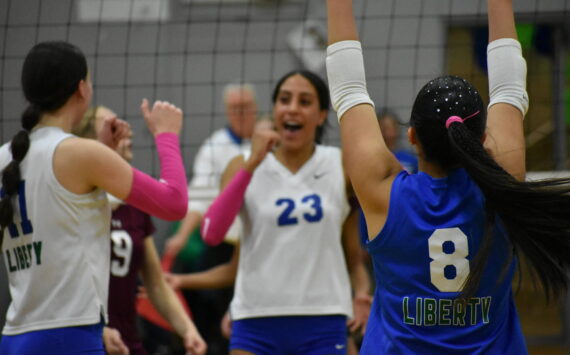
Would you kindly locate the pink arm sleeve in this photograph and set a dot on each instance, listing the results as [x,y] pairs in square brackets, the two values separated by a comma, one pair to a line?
[168,198]
[222,212]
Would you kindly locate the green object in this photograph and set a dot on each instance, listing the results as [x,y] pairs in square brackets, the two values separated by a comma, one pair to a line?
[567,104]
[525,33]
[194,246]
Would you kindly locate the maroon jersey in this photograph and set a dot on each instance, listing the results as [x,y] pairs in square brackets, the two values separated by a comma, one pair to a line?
[129,228]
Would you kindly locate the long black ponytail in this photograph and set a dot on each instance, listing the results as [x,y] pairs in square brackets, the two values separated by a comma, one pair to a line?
[534,214]
[50,75]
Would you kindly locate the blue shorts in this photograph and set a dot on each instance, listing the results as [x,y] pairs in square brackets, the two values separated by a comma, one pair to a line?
[307,335]
[87,339]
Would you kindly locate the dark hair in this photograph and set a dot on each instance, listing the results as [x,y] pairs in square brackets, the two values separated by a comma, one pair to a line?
[534,214]
[50,75]
[322,93]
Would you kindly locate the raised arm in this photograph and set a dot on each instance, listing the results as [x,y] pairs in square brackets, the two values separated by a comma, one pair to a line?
[235,180]
[367,159]
[82,164]
[507,90]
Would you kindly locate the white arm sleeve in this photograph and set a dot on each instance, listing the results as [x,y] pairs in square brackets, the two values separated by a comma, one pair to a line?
[507,74]
[347,80]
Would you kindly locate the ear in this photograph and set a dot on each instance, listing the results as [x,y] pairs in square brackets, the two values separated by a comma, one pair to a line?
[322,117]
[412,138]
[83,89]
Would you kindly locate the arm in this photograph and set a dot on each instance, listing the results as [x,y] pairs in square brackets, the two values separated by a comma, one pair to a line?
[220,276]
[507,77]
[203,171]
[113,343]
[359,277]
[113,131]
[177,241]
[361,137]
[225,208]
[81,165]
[222,212]
[164,300]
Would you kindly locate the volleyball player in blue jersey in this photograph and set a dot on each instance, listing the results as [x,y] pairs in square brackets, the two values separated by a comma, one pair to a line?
[444,241]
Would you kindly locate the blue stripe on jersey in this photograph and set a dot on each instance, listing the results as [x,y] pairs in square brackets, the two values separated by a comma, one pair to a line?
[421,258]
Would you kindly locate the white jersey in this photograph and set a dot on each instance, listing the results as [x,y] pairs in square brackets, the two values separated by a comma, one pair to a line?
[291,257]
[57,251]
[211,161]
[209,165]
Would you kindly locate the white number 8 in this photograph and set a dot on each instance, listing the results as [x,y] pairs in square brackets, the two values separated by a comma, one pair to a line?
[122,248]
[441,259]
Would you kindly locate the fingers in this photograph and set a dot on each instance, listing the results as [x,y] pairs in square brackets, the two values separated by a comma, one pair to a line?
[165,106]
[114,344]
[197,348]
[353,325]
[122,347]
[163,117]
[144,109]
[226,325]
[356,324]
[273,139]
[194,344]
[269,139]
[142,292]
[121,130]
[172,280]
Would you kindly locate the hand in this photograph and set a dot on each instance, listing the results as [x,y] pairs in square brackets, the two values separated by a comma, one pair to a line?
[113,132]
[226,325]
[141,292]
[174,244]
[174,281]
[164,117]
[113,343]
[262,142]
[193,342]
[361,305]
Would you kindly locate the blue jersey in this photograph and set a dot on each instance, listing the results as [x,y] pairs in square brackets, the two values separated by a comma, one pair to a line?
[408,160]
[421,259]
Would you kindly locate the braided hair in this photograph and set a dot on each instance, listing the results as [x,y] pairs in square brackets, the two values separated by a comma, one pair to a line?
[51,73]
